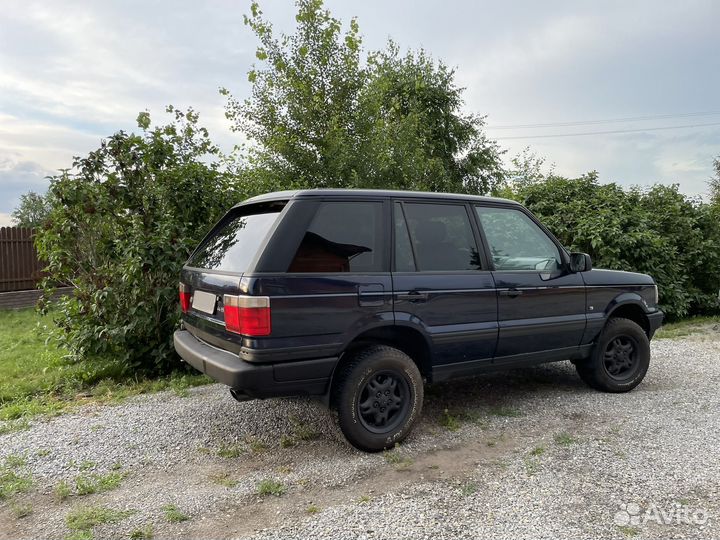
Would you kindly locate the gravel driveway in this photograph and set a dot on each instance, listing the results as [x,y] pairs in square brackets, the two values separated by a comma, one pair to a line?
[529,453]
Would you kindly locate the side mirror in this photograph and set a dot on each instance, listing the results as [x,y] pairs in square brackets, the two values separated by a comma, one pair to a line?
[580,262]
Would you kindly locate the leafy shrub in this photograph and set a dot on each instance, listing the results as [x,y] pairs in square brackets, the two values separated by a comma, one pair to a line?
[123,221]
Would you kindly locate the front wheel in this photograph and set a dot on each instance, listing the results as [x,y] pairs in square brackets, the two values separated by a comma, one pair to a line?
[379,397]
[619,359]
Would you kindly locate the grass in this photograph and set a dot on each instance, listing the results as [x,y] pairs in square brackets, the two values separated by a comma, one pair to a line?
[21,510]
[256,445]
[685,327]
[13,461]
[449,421]
[36,377]
[364,499]
[62,490]
[565,439]
[531,465]
[303,431]
[223,479]
[286,441]
[12,481]
[312,509]
[87,484]
[142,533]
[82,520]
[13,426]
[271,487]
[468,488]
[397,460]
[627,530]
[229,451]
[173,514]
[537,451]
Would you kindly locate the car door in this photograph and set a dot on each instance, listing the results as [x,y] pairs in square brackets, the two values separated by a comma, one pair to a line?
[442,283]
[541,305]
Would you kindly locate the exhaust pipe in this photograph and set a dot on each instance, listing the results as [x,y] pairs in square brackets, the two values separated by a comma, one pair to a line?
[240,396]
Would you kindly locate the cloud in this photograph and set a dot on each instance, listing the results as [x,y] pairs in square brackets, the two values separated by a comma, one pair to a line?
[18,177]
[5,220]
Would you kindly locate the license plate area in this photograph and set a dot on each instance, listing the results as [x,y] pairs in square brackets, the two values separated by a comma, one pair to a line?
[204,301]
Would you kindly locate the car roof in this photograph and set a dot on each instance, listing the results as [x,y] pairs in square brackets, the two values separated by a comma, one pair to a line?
[368,193]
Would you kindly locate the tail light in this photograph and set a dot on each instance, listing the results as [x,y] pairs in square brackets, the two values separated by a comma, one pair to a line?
[184,297]
[247,315]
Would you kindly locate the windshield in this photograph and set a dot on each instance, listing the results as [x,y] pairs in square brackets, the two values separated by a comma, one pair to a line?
[234,242]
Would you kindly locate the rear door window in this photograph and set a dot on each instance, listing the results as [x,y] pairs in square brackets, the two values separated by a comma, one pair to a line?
[442,237]
[342,237]
[236,240]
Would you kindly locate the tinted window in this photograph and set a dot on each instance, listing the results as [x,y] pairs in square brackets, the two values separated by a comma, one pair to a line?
[516,242]
[343,237]
[236,240]
[442,237]
[404,259]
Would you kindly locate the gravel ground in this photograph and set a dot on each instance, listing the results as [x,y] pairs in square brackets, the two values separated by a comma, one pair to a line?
[536,455]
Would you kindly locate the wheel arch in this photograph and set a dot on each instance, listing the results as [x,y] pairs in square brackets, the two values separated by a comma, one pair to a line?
[404,337]
[630,306]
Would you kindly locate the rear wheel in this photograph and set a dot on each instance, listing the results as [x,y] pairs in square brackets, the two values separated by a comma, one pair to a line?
[379,397]
[620,358]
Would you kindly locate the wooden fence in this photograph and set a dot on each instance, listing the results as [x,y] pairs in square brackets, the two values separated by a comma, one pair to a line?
[20,268]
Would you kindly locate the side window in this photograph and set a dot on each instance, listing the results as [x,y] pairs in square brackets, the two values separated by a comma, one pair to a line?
[404,259]
[442,237]
[342,237]
[516,242]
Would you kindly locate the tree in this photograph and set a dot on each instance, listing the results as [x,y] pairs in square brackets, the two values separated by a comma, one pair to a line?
[32,210]
[419,137]
[715,184]
[324,114]
[123,221]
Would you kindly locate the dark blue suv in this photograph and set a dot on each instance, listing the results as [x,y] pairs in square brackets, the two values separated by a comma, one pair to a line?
[360,296]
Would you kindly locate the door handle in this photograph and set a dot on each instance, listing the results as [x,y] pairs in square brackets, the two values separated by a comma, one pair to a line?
[512,293]
[413,296]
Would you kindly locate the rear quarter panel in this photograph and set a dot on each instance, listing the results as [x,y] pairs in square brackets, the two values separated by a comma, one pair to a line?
[316,315]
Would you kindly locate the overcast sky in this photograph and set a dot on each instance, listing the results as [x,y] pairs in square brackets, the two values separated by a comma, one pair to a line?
[72,72]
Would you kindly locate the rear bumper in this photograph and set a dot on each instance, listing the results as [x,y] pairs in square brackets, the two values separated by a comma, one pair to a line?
[655,320]
[305,377]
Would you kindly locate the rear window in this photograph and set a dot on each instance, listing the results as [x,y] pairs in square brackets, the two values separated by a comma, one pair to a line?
[233,244]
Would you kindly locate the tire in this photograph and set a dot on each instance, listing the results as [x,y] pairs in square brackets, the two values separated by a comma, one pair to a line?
[620,358]
[379,397]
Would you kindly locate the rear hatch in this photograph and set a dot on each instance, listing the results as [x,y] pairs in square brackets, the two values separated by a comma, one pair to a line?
[216,267]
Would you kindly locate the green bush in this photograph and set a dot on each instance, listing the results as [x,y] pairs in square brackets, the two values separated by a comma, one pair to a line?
[123,221]
[659,231]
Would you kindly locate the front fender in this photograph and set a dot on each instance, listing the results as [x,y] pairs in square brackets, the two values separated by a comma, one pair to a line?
[629,302]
